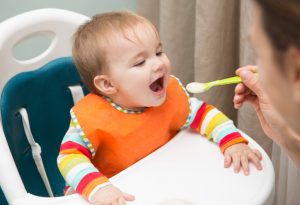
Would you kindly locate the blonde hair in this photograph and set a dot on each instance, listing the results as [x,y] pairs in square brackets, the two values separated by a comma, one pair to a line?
[91,40]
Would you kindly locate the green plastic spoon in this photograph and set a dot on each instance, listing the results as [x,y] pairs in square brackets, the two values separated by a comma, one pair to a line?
[195,87]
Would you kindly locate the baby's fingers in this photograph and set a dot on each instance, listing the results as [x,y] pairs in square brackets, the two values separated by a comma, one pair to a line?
[227,160]
[256,158]
[236,163]
[258,154]
[128,197]
[121,201]
[245,164]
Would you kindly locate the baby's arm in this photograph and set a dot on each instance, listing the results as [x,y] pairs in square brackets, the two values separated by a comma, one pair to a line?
[209,121]
[74,163]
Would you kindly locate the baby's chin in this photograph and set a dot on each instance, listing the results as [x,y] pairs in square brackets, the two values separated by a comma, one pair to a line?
[158,102]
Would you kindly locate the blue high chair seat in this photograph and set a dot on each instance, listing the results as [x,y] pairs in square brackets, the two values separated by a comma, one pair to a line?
[45,95]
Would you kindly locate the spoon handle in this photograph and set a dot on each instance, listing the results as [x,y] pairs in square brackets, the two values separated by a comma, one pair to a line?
[226,81]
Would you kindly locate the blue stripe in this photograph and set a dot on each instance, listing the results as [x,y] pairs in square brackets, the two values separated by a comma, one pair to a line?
[77,179]
[74,137]
[196,104]
[225,132]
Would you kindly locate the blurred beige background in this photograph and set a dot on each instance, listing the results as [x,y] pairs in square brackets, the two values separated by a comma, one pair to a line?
[208,40]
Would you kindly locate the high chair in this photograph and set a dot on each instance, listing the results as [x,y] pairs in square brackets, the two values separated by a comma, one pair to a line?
[35,103]
[35,106]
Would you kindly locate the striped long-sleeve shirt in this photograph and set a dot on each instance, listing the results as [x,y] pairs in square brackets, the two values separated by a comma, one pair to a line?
[76,152]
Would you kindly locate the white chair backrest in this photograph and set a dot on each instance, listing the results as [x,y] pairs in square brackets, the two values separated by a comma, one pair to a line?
[57,22]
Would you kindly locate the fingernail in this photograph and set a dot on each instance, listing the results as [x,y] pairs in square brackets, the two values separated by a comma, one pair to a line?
[245,74]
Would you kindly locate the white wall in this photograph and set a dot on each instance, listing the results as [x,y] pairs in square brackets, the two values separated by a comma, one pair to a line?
[33,47]
[9,8]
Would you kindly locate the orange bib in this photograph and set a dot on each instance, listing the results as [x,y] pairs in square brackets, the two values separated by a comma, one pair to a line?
[121,139]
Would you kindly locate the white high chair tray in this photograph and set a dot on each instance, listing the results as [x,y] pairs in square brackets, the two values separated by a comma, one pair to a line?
[190,168]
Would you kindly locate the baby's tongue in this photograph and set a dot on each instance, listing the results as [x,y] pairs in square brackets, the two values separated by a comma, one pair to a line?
[155,86]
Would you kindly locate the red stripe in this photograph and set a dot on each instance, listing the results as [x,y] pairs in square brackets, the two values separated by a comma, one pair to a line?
[73,145]
[229,137]
[86,180]
[198,116]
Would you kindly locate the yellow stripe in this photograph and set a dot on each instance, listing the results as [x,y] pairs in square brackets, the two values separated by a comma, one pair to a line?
[72,124]
[70,161]
[215,121]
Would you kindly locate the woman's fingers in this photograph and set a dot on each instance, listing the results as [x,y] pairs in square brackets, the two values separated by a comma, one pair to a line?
[240,88]
[251,68]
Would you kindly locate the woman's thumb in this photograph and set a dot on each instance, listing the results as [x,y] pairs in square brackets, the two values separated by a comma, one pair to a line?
[128,197]
[250,79]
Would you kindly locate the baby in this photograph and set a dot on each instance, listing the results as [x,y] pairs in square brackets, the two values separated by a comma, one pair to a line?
[134,107]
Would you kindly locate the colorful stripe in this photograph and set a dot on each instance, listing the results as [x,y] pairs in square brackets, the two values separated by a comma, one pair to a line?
[207,119]
[208,108]
[222,130]
[74,162]
[195,106]
[92,185]
[118,107]
[84,168]
[75,124]
[189,118]
[99,186]
[212,123]
[74,148]
[198,116]
[233,141]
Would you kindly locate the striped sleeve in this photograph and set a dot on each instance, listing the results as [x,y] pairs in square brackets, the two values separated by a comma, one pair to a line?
[74,162]
[209,121]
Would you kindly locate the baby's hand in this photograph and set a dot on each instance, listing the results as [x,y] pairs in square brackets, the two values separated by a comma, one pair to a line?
[111,195]
[240,154]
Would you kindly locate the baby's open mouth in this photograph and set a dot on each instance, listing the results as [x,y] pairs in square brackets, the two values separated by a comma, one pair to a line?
[157,85]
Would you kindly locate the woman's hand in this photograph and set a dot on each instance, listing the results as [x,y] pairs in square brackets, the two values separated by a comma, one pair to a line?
[251,91]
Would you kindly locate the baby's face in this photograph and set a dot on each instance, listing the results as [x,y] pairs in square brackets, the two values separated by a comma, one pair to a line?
[138,68]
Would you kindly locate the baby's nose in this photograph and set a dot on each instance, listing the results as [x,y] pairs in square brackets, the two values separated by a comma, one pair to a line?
[157,65]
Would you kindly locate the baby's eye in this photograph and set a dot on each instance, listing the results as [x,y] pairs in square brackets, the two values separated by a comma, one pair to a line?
[159,53]
[140,63]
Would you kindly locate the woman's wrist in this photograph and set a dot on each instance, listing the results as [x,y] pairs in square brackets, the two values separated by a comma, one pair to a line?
[291,144]
[292,139]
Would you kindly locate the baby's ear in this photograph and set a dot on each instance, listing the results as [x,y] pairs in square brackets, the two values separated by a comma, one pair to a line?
[104,85]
